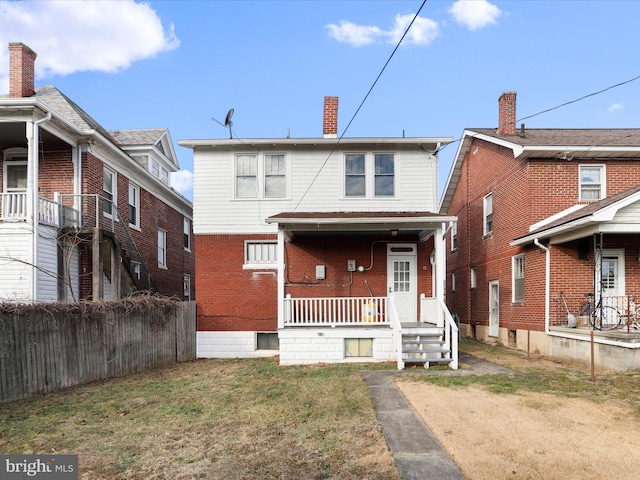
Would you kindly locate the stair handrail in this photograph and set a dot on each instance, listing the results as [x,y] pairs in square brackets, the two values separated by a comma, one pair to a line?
[451,334]
[394,323]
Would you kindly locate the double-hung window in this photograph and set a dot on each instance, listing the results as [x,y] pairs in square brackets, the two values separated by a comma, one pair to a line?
[592,182]
[384,175]
[355,175]
[454,236]
[187,234]
[162,248]
[487,215]
[368,175]
[517,270]
[275,180]
[134,205]
[246,169]
[109,192]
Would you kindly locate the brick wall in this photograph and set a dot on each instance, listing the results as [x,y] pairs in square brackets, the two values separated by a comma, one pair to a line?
[523,194]
[233,299]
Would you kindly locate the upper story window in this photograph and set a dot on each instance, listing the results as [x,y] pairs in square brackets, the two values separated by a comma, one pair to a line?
[367,175]
[162,248]
[109,192]
[517,268]
[355,178]
[187,234]
[246,176]
[158,171]
[261,177]
[454,236]
[473,278]
[592,182]
[487,214]
[15,170]
[134,205]
[260,254]
[275,180]
[384,175]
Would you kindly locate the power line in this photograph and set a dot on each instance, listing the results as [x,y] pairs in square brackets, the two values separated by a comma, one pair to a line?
[360,106]
[581,98]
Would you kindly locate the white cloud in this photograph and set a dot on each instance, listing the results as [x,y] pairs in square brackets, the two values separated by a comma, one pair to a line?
[474,14]
[422,32]
[72,36]
[182,181]
[616,106]
[356,35]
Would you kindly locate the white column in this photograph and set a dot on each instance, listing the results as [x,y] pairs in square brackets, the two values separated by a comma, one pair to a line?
[281,267]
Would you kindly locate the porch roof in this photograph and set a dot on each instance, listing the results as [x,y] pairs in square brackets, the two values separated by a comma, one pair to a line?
[584,220]
[391,223]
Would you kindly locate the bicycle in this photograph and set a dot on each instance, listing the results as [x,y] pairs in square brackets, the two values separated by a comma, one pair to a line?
[601,317]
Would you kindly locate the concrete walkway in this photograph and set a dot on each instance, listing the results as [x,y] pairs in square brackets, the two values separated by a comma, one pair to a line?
[416,451]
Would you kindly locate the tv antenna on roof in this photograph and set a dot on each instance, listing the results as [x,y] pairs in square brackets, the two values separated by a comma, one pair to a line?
[227,121]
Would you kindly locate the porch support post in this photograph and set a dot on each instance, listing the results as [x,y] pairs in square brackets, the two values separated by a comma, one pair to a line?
[438,245]
[281,267]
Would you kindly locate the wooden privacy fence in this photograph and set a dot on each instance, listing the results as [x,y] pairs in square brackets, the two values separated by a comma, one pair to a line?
[44,348]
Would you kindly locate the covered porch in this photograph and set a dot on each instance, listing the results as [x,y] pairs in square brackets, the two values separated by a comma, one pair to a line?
[332,269]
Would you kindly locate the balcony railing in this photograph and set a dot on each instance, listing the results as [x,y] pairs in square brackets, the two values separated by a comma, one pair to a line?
[13,208]
[335,311]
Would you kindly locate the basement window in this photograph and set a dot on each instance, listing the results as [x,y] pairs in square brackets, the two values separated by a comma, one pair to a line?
[267,341]
[358,347]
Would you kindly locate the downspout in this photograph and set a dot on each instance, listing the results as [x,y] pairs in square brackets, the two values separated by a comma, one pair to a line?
[33,138]
[547,281]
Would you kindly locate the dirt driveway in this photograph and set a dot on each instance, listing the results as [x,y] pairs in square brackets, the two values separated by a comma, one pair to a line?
[529,435]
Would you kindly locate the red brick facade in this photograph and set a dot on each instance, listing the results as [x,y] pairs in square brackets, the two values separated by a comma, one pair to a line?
[523,192]
[56,175]
[231,298]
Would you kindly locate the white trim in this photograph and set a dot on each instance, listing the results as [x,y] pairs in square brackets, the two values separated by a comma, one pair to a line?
[162,259]
[603,181]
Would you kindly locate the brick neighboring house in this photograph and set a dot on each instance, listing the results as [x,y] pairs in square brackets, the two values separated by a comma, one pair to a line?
[320,249]
[544,211]
[85,213]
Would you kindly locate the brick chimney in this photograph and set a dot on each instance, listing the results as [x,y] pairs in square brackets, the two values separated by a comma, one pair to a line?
[507,114]
[330,118]
[21,70]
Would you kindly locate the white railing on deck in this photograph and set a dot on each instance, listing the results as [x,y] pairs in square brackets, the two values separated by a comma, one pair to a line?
[335,311]
[48,212]
[13,206]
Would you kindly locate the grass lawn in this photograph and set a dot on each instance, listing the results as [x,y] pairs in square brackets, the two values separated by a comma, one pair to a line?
[213,419]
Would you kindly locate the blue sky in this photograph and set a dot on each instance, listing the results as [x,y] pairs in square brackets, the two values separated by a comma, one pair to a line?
[177,64]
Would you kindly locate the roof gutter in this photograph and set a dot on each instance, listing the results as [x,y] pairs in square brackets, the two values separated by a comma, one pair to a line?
[547,281]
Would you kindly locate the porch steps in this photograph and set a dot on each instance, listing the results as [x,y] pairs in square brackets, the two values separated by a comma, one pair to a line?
[421,346]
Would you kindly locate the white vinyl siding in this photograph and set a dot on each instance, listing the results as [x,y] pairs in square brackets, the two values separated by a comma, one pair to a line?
[315,182]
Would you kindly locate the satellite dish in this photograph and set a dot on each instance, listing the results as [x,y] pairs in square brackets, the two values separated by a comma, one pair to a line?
[227,121]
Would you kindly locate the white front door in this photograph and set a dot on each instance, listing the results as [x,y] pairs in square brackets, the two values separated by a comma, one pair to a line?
[402,279]
[494,308]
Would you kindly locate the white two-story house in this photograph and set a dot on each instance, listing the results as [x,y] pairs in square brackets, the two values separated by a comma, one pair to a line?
[323,249]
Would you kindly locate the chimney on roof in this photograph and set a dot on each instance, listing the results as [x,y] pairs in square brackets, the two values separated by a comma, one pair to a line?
[507,114]
[21,70]
[330,118]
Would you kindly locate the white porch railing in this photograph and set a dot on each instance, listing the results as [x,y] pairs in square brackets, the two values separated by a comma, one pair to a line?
[335,311]
[13,207]
[451,334]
